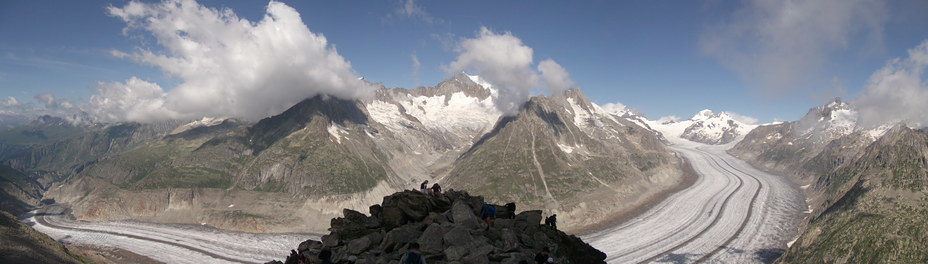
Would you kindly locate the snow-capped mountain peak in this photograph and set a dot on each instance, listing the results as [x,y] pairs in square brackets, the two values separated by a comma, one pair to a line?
[828,122]
[705,127]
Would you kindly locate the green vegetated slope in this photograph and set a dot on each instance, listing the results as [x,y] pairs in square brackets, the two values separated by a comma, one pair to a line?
[877,206]
[292,152]
[22,244]
[541,157]
[868,198]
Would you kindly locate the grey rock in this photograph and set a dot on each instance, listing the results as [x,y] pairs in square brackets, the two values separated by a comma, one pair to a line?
[475,259]
[462,214]
[359,245]
[432,239]
[458,236]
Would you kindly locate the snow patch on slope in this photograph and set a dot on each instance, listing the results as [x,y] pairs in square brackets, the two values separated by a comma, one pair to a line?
[460,112]
[205,122]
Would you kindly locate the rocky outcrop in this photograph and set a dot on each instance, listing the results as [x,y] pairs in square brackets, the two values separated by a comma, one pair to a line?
[448,230]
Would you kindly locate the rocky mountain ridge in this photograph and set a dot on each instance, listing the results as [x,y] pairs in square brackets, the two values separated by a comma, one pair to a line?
[324,154]
[447,228]
[865,187]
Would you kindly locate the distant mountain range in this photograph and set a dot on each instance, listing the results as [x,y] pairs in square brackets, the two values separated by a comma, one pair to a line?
[296,170]
[705,127]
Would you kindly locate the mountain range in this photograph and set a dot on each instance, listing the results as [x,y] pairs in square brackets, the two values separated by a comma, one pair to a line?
[866,187]
[295,170]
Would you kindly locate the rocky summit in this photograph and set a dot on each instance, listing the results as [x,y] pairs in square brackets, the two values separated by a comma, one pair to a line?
[448,229]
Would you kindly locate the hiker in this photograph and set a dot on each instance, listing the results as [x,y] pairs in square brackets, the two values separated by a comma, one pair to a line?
[551,221]
[544,256]
[424,187]
[512,210]
[436,189]
[488,214]
[325,257]
[413,256]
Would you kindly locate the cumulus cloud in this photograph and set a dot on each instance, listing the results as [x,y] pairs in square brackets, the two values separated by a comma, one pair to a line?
[780,46]
[409,9]
[742,118]
[898,92]
[134,100]
[615,108]
[227,66]
[10,102]
[504,61]
[47,99]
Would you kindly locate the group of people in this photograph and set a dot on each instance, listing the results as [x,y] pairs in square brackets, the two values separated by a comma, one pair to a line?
[434,190]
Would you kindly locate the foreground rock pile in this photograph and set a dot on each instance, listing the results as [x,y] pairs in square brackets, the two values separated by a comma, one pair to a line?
[448,229]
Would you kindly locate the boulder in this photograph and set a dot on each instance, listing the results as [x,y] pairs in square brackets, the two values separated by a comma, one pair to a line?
[359,245]
[475,259]
[432,239]
[528,220]
[399,237]
[462,214]
[392,217]
[456,253]
[458,236]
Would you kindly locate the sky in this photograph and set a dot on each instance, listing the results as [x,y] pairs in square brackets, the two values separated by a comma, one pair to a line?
[763,60]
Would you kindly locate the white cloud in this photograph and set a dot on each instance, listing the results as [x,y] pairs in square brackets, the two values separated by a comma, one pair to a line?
[10,102]
[228,66]
[504,61]
[615,108]
[133,100]
[898,92]
[780,46]
[47,99]
[410,9]
[556,77]
[415,68]
[742,118]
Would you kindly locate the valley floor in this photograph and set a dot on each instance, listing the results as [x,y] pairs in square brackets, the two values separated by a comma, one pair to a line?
[734,213]
[167,243]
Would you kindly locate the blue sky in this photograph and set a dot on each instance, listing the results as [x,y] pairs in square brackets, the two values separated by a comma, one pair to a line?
[659,57]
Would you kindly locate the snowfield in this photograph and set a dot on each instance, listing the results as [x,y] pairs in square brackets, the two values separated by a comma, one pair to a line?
[169,243]
[733,213]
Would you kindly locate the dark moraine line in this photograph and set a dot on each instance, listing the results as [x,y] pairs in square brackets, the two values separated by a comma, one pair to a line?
[714,221]
[41,220]
[744,222]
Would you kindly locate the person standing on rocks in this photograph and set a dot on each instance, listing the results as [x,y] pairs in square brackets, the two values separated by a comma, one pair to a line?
[424,187]
[551,221]
[488,214]
[413,256]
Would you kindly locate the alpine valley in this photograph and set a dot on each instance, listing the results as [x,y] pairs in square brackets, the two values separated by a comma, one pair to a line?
[294,171]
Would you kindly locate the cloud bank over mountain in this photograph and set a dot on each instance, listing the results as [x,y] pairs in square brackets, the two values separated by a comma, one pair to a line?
[898,92]
[226,65]
[506,63]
